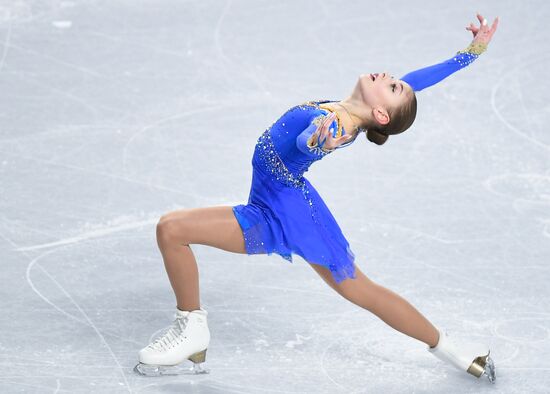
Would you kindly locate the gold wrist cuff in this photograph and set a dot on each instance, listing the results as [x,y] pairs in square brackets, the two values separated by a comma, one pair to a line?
[476,48]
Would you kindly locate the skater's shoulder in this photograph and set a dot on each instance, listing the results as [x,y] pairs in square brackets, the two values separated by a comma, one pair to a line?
[312,109]
[314,104]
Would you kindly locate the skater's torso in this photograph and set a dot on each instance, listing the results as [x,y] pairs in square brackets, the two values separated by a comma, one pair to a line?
[281,136]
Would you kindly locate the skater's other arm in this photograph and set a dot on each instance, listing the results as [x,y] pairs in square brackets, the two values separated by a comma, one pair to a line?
[428,76]
[317,140]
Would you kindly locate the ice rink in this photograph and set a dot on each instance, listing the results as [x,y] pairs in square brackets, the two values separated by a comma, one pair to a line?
[114,113]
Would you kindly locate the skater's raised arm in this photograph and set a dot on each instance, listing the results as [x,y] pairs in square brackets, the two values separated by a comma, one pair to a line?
[380,105]
[428,76]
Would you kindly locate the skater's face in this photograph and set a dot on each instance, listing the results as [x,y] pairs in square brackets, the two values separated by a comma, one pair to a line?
[382,94]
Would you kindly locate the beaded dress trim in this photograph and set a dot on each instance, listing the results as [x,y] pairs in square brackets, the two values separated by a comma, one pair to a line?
[274,165]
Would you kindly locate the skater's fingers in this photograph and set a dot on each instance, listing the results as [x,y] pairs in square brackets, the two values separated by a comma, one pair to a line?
[480,18]
[473,29]
[328,120]
[343,139]
[327,132]
[315,137]
[473,32]
[494,25]
[332,142]
[320,133]
[330,134]
[324,137]
[492,30]
[484,25]
[323,128]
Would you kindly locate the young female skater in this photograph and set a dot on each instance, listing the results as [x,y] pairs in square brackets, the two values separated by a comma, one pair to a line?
[286,215]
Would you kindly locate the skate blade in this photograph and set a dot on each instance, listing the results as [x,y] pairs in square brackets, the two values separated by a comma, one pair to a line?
[160,370]
[489,370]
[483,365]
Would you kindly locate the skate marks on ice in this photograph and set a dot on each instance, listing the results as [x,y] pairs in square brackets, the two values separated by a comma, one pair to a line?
[299,341]
[87,320]
[529,123]
[527,190]
[523,337]
[113,226]
[156,127]
[519,105]
[35,265]
[5,13]
[528,193]
[508,92]
[521,187]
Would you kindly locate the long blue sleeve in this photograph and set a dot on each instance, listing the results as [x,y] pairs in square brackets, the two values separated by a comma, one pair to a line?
[428,76]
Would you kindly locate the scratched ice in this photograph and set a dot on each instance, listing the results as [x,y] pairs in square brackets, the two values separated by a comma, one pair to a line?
[116,112]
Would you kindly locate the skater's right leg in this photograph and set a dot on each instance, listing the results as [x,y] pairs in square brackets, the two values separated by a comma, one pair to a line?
[398,313]
[393,309]
[177,230]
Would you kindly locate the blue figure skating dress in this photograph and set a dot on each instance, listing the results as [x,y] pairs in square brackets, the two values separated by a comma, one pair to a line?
[285,214]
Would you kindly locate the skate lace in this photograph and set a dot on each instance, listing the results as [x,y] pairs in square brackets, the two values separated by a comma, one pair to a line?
[172,336]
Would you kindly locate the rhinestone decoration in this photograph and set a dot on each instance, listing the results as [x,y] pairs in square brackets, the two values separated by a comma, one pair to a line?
[471,53]
[269,161]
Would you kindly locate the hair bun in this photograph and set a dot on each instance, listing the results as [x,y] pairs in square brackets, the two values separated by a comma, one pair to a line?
[376,137]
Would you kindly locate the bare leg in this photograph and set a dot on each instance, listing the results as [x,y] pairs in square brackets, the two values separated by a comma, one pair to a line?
[176,230]
[384,303]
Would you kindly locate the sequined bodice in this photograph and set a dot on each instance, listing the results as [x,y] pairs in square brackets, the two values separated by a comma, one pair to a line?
[276,150]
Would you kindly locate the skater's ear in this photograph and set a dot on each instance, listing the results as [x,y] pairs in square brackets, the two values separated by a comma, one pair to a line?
[381,115]
[391,121]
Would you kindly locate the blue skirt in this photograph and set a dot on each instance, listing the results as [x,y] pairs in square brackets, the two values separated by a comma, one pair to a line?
[286,215]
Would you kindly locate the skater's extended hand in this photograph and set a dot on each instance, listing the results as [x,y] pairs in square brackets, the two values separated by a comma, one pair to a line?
[324,136]
[483,33]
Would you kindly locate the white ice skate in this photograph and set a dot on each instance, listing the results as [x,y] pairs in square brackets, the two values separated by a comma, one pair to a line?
[187,338]
[466,356]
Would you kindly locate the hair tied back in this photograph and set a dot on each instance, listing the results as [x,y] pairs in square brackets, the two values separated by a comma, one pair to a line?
[376,137]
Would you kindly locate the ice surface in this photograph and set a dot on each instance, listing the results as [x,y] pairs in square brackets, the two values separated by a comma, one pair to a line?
[116,112]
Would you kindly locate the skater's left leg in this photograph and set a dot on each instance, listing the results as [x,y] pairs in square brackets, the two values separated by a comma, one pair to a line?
[214,226]
[384,303]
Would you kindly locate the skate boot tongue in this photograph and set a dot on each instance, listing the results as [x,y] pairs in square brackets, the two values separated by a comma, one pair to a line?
[180,313]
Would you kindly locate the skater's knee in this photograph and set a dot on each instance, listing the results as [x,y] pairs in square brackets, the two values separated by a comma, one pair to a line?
[170,230]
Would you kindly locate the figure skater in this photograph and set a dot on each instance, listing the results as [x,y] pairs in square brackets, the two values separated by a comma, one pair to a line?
[286,215]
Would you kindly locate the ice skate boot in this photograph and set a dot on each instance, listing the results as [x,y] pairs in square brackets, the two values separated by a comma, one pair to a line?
[466,356]
[187,338]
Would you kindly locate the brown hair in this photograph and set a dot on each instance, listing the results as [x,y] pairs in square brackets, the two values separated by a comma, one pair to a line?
[401,118]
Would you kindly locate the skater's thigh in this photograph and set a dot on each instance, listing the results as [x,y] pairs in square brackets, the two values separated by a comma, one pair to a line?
[214,226]
[353,289]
